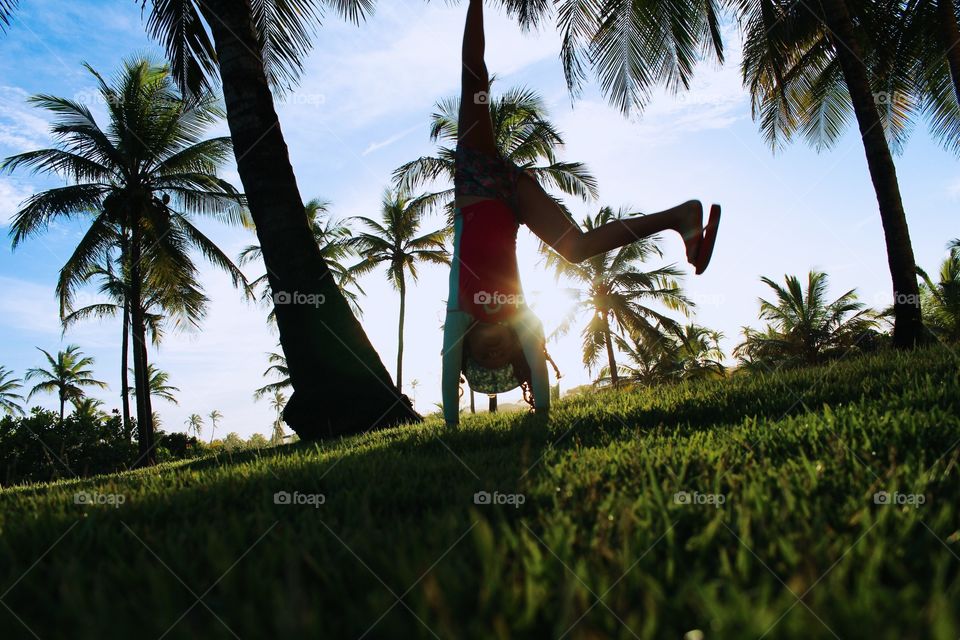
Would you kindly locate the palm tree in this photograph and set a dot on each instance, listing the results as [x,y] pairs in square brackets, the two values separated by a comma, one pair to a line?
[9,399]
[698,355]
[67,375]
[394,241]
[159,384]
[333,239]
[138,182]
[214,416]
[804,327]
[806,66]
[941,299]
[277,403]
[195,425]
[278,367]
[255,47]
[610,288]
[183,304]
[88,408]
[524,135]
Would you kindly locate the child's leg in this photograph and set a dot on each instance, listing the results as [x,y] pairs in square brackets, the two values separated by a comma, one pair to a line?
[474,127]
[548,221]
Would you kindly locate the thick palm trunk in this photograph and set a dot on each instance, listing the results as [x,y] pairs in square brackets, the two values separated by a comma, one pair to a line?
[611,361]
[403,309]
[473,403]
[141,382]
[950,40]
[339,381]
[908,326]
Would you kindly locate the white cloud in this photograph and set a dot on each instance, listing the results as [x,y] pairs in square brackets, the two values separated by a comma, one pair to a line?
[11,195]
[21,129]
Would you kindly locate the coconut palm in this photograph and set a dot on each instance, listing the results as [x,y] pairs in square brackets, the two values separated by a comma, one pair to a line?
[691,352]
[804,327]
[394,241]
[67,375]
[214,417]
[632,48]
[9,399]
[183,305]
[332,237]
[138,182]
[195,425]
[924,48]
[278,367]
[159,384]
[7,7]
[255,48]
[807,67]
[614,293]
[523,134]
[88,408]
[277,403]
[941,299]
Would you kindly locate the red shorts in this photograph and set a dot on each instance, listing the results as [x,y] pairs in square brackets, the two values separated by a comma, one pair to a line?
[489,276]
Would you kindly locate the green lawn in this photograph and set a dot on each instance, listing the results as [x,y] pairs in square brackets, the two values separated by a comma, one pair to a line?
[600,547]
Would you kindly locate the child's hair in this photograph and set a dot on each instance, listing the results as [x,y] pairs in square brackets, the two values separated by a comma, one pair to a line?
[520,366]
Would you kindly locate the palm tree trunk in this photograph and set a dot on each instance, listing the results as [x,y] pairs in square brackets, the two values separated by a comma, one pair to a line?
[125,340]
[340,383]
[473,404]
[908,326]
[403,309]
[608,340]
[124,372]
[141,381]
[950,40]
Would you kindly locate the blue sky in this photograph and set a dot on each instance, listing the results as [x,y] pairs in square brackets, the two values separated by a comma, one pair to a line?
[363,109]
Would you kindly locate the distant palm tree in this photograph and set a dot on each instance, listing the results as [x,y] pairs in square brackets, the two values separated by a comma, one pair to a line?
[88,408]
[159,387]
[610,288]
[277,403]
[804,327]
[137,182]
[689,353]
[942,298]
[9,400]
[214,416]
[524,135]
[67,375]
[333,239]
[195,425]
[278,367]
[394,241]
[184,304]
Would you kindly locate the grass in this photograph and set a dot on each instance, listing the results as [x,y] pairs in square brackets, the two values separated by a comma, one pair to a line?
[600,547]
